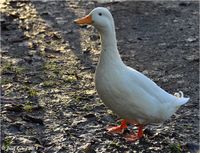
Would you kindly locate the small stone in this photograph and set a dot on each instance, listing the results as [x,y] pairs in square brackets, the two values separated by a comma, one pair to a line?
[162,44]
[184,4]
[191,39]
[175,21]
[86,51]
[192,58]
[145,72]
[87,148]
[138,38]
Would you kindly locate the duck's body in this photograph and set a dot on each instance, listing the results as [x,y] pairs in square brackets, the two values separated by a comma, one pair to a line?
[142,101]
[127,92]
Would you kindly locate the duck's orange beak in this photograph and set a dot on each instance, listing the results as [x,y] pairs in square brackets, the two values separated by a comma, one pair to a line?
[85,20]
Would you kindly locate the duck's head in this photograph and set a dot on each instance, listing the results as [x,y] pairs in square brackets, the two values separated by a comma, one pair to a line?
[99,17]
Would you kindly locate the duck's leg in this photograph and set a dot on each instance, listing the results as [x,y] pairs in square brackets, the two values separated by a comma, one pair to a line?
[133,136]
[118,129]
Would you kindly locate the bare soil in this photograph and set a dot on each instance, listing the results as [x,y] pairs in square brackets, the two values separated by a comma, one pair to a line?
[48,98]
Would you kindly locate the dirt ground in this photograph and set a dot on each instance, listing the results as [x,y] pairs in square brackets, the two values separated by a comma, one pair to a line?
[48,99]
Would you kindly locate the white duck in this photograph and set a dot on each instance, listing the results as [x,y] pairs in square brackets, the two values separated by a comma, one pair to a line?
[127,92]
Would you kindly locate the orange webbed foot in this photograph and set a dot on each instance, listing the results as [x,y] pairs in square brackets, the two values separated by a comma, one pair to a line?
[115,130]
[118,129]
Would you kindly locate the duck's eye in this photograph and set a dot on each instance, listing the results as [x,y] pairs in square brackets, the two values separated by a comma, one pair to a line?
[100,14]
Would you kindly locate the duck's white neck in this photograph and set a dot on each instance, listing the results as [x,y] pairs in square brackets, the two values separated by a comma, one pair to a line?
[109,45]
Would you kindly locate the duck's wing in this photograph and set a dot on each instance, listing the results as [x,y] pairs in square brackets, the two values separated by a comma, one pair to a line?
[151,89]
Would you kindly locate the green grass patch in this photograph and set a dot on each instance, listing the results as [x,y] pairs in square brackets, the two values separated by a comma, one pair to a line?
[52,66]
[6,143]
[6,80]
[6,67]
[49,83]
[69,78]
[114,144]
[32,92]
[175,148]
[28,107]
[10,68]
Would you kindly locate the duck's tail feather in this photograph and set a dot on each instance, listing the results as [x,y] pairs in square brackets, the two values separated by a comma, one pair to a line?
[180,99]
